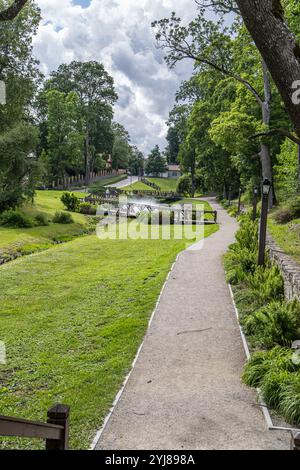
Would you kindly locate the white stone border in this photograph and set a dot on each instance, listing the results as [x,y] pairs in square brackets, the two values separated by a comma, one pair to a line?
[262,404]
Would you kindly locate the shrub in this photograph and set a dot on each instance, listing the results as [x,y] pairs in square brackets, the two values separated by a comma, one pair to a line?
[70,201]
[63,218]
[289,404]
[184,186]
[260,363]
[41,220]
[16,219]
[272,385]
[247,236]
[295,207]
[277,323]
[284,215]
[266,283]
[87,208]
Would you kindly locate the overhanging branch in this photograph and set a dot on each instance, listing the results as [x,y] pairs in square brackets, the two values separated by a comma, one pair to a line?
[13,10]
[279,131]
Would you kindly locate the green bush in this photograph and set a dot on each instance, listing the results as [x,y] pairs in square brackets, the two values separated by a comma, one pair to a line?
[70,201]
[41,220]
[289,403]
[260,363]
[295,207]
[278,323]
[184,186]
[16,219]
[272,385]
[266,283]
[63,218]
[283,215]
[87,208]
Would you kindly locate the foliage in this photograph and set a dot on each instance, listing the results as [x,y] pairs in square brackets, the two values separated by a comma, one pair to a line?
[184,186]
[62,218]
[156,163]
[70,201]
[278,323]
[16,219]
[283,215]
[41,220]
[261,362]
[286,170]
[87,208]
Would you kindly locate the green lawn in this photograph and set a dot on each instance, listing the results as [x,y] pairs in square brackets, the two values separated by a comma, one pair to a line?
[72,319]
[165,184]
[138,186]
[27,240]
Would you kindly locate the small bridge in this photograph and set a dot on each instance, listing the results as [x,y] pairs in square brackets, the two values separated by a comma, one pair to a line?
[132,209]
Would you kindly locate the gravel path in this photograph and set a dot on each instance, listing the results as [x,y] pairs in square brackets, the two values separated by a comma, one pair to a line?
[185,390]
[121,184]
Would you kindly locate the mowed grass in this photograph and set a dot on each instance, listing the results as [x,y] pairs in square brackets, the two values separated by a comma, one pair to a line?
[35,238]
[72,319]
[165,184]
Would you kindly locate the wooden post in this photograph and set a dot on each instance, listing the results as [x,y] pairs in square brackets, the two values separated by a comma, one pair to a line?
[59,414]
[295,441]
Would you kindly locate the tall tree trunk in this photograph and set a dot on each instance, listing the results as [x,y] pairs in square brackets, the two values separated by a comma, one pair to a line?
[87,160]
[298,173]
[265,157]
[264,21]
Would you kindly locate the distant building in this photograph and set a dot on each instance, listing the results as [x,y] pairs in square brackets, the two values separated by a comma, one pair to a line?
[174,171]
[109,162]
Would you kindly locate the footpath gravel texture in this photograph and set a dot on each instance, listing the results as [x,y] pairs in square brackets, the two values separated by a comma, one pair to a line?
[185,390]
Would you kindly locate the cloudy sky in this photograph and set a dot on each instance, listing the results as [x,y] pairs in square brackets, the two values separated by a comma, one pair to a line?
[118,33]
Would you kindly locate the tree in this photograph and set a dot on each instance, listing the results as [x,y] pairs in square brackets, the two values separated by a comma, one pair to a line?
[95,90]
[13,10]
[172,149]
[65,137]
[121,147]
[211,46]
[156,163]
[18,135]
[274,38]
[136,161]
[18,167]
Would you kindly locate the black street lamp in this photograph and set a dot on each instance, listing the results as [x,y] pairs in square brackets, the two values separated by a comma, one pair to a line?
[266,187]
[240,200]
[255,197]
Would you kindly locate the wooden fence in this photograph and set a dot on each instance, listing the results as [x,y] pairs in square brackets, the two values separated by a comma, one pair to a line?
[80,180]
[55,431]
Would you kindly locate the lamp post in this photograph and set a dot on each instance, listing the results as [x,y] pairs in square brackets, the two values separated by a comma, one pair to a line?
[255,195]
[266,187]
[239,203]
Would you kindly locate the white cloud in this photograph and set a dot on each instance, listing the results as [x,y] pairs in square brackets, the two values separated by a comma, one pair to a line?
[118,33]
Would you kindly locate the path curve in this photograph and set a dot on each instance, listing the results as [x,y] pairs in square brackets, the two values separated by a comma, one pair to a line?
[185,390]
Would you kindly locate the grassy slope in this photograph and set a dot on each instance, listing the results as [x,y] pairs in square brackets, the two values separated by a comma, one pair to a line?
[165,184]
[136,186]
[47,203]
[73,328]
[287,236]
